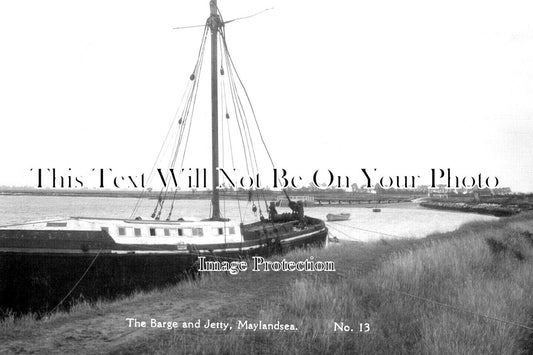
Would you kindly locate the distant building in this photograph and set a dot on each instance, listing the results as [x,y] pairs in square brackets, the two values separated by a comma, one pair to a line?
[502,191]
[440,191]
[479,193]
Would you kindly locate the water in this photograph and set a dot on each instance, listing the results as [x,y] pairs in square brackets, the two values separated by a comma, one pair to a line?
[393,220]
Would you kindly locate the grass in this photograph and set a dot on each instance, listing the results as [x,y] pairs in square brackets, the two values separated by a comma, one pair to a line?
[462,269]
[482,269]
[13,326]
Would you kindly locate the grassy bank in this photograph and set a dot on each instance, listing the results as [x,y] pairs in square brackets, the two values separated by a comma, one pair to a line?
[484,269]
[417,296]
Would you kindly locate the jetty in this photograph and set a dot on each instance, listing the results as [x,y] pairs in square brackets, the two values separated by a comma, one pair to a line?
[326,201]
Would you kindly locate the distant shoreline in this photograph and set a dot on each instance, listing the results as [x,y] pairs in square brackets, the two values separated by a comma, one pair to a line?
[198,195]
[202,195]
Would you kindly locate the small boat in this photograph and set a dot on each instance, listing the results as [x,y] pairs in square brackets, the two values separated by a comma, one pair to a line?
[376,209]
[42,261]
[337,217]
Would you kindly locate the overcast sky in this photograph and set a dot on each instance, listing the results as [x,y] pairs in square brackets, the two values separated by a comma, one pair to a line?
[343,85]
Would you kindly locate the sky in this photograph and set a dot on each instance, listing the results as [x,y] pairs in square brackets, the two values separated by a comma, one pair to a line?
[400,87]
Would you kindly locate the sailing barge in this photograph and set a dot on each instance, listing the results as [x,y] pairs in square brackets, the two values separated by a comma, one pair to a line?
[47,263]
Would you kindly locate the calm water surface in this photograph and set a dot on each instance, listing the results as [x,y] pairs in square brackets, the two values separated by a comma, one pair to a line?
[364,225]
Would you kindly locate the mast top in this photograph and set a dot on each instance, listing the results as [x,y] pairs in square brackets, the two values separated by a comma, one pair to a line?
[214,18]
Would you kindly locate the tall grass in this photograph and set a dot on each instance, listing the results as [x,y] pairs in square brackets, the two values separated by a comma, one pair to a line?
[449,293]
[406,300]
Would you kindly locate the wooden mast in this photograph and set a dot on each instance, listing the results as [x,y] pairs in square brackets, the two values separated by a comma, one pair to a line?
[214,24]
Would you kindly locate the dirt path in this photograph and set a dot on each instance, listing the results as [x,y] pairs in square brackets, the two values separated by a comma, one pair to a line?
[97,333]
[106,329]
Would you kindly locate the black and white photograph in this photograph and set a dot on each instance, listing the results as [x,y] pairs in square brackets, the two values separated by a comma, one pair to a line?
[266,177]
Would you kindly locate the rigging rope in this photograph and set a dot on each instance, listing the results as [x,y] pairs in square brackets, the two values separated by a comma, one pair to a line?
[185,124]
[249,16]
[368,230]
[232,90]
[77,283]
[446,305]
[190,95]
[247,97]
[232,65]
